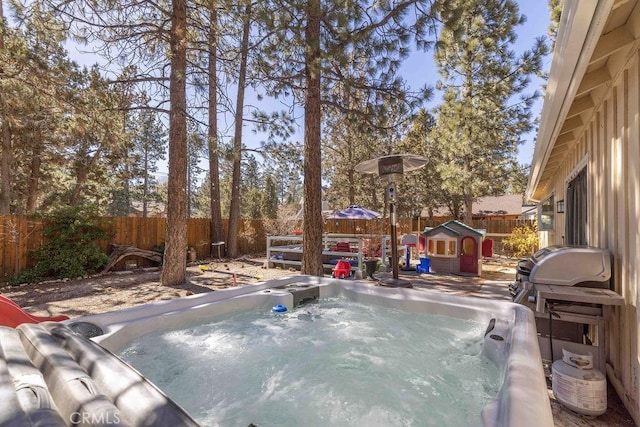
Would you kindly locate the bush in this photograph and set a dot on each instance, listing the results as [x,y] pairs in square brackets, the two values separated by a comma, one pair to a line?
[523,240]
[283,224]
[71,235]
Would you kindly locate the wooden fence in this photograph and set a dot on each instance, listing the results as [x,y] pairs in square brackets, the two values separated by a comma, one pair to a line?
[20,235]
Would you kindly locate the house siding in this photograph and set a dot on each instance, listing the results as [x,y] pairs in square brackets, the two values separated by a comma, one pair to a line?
[611,142]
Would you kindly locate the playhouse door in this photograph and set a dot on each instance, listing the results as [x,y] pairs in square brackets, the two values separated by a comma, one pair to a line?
[469,256]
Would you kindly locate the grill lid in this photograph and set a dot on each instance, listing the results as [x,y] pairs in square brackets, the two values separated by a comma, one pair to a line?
[524,267]
[571,266]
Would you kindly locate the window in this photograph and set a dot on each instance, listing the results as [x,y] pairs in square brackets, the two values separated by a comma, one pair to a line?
[546,214]
[444,247]
[576,224]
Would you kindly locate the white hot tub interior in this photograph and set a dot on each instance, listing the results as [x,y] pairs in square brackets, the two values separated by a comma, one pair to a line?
[508,336]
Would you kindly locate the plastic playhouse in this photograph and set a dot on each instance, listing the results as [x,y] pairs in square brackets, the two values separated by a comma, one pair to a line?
[342,269]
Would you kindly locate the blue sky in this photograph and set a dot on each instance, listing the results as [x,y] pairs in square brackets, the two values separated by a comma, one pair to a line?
[537,24]
[418,70]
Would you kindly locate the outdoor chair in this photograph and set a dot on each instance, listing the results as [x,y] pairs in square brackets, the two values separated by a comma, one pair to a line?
[343,247]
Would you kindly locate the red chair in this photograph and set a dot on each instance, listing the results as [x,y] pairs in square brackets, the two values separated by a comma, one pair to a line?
[12,315]
[343,247]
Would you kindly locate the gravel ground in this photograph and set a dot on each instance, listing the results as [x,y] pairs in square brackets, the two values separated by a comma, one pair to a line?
[116,290]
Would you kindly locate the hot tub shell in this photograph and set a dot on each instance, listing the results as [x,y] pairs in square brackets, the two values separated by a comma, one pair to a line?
[510,340]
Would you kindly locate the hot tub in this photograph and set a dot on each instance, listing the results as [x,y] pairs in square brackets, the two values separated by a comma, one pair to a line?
[509,340]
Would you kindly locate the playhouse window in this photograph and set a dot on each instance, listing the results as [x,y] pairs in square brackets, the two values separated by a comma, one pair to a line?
[442,247]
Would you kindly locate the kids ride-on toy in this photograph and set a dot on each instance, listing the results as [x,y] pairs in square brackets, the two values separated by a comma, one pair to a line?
[342,269]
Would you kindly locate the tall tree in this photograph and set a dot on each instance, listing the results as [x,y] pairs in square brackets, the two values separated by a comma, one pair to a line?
[321,39]
[234,208]
[284,163]
[6,158]
[196,143]
[149,147]
[159,28]
[269,206]
[175,261]
[485,110]
[253,188]
[421,188]
[312,209]
[97,134]
[36,78]
[215,208]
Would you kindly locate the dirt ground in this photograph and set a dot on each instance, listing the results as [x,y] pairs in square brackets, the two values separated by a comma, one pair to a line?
[115,290]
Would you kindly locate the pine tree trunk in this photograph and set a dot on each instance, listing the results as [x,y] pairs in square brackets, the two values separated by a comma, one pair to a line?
[217,233]
[175,260]
[6,153]
[34,180]
[6,165]
[312,229]
[145,187]
[468,209]
[234,206]
[82,176]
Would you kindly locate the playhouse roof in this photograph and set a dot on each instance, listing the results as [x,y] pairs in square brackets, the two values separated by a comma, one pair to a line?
[453,226]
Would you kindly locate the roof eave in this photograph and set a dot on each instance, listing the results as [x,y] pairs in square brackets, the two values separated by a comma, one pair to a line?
[580,28]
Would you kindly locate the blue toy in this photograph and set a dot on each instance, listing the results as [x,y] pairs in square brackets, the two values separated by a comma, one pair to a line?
[279,308]
[424,266]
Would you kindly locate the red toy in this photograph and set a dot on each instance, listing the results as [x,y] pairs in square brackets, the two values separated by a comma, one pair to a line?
[12,315]
[342,269]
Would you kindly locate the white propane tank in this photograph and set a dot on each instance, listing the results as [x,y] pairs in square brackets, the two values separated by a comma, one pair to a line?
[578,386]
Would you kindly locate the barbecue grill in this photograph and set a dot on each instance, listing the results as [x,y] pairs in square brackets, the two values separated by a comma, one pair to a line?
[581,266]
[568,288]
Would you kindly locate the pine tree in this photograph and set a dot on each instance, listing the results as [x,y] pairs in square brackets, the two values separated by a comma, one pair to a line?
[421,188]
[175,263]
[215,209]
[251,184]
[309,47]
[149,146]
[156,47]
[234,206]
[485,110]
[36,82]
[269,206]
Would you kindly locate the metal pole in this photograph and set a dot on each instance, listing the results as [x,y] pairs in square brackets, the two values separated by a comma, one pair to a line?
[391,199]
[394,240]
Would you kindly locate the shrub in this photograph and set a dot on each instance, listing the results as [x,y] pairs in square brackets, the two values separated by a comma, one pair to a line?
[523,240]
[71,235]
[284,223]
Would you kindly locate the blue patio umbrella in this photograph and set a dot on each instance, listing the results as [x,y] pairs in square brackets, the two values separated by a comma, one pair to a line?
[354,212]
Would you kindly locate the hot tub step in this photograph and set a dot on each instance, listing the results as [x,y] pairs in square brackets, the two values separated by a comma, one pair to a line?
[302,293]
